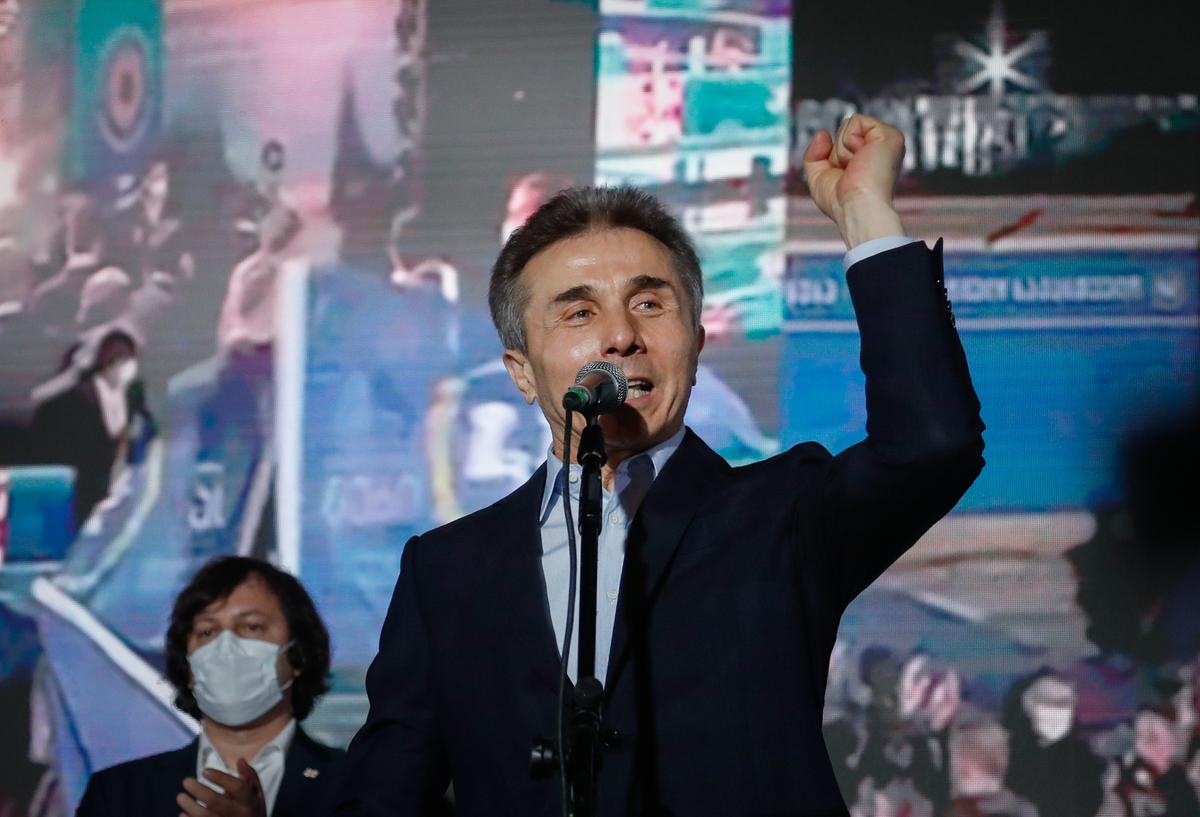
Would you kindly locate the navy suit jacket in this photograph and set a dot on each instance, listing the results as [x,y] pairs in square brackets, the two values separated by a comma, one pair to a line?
[147,787]
[734,583]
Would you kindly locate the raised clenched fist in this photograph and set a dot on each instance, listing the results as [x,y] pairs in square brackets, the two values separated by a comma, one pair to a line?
[852,176]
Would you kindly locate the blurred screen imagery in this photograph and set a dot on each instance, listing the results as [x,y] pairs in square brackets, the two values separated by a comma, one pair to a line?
[244,250]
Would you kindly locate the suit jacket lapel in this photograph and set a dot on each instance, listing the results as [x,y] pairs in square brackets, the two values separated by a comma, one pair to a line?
[172,768]
[307,777]
[519,574]
[95,413]
[688,478]
[657,529]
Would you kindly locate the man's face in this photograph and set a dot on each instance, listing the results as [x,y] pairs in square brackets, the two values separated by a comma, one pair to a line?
[250,611]
[1155,740]
[611,295]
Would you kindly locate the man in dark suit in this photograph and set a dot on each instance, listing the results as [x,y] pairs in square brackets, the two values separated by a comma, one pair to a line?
[248,655]
[720,589]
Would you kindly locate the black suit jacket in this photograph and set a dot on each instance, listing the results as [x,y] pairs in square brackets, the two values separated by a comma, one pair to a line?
[147,787]
[733,586]
[69,429]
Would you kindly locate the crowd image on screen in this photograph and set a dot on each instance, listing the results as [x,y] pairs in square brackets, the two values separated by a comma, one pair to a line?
[909,741]
[114,269]
[1114,733]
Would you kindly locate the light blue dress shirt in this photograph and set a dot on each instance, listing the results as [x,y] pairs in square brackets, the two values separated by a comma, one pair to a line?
[630,483]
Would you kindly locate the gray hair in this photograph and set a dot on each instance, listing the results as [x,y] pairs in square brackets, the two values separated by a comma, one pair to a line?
[572,212]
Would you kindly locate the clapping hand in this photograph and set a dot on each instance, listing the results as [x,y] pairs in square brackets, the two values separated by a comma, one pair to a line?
[243,795]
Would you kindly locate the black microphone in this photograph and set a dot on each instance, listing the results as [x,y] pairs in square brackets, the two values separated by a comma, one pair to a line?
[599,388]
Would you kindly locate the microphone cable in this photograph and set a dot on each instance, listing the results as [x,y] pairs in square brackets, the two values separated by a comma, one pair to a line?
[565,474]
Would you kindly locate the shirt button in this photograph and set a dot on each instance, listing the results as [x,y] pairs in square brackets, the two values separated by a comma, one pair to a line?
[573,477]
[614,518]
[612,595]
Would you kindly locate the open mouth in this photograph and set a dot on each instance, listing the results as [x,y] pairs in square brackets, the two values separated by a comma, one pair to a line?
[639,387]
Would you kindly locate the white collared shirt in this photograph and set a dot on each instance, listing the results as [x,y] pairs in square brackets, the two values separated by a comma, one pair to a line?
[268,763]
[875,246]
[630,483]
[113,406]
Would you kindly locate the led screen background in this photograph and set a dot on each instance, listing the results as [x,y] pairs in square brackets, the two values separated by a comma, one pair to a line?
[310,300]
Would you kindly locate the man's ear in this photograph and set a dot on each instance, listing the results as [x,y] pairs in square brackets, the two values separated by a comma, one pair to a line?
[521,372]
[700,337]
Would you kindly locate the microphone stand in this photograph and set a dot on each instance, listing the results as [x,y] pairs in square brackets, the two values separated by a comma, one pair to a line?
[578,758]
[583,750]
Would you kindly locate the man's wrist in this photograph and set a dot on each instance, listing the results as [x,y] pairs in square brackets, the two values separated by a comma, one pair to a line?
[875,246]
[864,219]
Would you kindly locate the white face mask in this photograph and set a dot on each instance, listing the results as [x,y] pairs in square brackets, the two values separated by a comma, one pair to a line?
[235,680]
[128,371]
[1051,723]
[1050,704]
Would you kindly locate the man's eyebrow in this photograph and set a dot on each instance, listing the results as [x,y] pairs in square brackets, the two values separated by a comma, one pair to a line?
[643,282]
[583,292]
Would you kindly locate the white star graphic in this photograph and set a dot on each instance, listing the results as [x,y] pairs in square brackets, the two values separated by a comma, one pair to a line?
[997,65]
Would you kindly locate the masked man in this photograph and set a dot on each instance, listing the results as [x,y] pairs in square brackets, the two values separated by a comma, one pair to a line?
[248,655]
[1052,764]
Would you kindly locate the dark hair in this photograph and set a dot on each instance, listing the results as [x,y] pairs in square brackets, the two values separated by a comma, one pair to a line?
[214,581]
[115,344]
[572,212]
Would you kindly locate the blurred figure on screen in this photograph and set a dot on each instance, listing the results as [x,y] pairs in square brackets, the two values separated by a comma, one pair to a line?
[248,312]
[147,234]
[77,240]
[1152,779]
[93,417]
[264,229]
[979,756]
[75,251]
[263,217]
[905,743]
[240,405]
[1052,765]
[529,193]
[1192,763]
[16,272]
[248,655]
[435,275]
[104,298]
